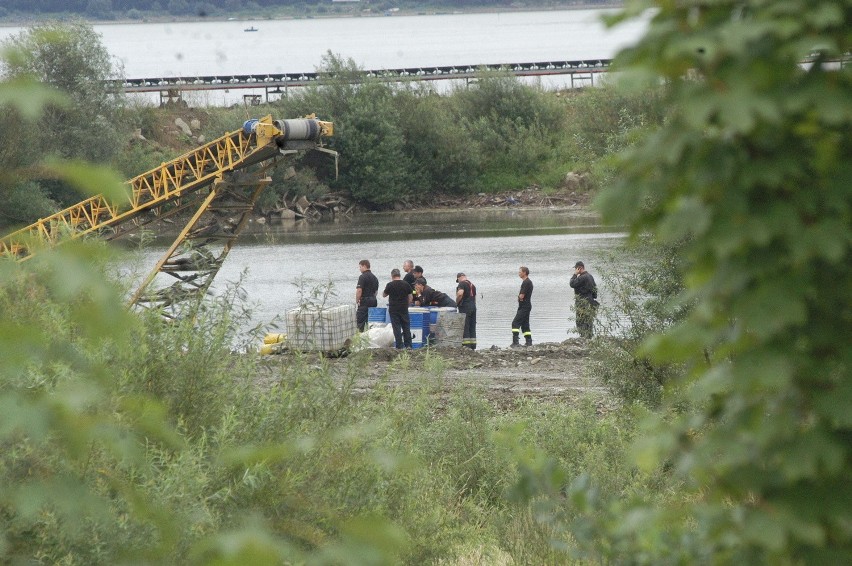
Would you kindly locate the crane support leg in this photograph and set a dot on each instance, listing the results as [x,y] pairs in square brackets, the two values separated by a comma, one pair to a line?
[191,259]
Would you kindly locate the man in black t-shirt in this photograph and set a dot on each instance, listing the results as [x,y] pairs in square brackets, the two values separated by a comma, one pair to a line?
[521,322]
[365,293]
[399,297]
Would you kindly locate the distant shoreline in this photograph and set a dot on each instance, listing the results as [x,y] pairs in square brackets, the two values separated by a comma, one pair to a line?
[240,18]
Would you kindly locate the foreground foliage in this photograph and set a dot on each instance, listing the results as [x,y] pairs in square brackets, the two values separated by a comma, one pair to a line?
[125,440]
[83,123]
[751,170]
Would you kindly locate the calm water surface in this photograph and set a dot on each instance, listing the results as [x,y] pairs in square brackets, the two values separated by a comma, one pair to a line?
[222,48]
[488,246]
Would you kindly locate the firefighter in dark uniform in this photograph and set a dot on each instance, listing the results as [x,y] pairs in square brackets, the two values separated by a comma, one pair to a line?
[408,267]
[585,299]
[417,272]
[365,293]
[429,297]
[466,300]
[521,322]
[399,297]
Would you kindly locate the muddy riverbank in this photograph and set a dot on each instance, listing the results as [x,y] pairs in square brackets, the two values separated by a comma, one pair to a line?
[547,372]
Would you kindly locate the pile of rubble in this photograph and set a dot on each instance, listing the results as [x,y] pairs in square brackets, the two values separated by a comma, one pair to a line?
[573,191]
[332,205]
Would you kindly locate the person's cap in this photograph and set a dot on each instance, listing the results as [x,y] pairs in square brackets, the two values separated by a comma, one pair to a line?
[459,274]
[579,264]
[417,269]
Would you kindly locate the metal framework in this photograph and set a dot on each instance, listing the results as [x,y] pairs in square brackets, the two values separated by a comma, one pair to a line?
[426,73]
[227,174]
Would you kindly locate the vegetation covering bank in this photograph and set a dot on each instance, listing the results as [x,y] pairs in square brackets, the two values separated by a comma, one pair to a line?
[396,142]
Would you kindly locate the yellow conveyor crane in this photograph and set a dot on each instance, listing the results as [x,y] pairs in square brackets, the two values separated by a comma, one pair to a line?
[219,182]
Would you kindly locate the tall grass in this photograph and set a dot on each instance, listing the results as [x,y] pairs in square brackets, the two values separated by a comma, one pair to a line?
[238,456]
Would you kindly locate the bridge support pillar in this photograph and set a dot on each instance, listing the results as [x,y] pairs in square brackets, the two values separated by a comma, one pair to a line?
[171,97]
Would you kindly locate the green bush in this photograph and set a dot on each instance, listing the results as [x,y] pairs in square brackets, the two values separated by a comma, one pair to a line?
[69,439]
[140,157]
[401,142]
[378,173]
[516,127]
[445,157]
[189,365]
[603,118]
[644,283]
[750,170]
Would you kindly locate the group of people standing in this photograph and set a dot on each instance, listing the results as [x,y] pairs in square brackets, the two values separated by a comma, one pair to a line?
[412,289]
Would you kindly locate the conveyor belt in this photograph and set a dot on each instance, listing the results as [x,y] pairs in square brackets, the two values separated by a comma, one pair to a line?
[280,80]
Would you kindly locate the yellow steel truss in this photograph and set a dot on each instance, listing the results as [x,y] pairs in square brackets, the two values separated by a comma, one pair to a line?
[173,187]
[148,191]
[191,262]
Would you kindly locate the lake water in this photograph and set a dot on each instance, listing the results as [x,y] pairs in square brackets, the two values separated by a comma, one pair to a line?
[298,45]
[488,246]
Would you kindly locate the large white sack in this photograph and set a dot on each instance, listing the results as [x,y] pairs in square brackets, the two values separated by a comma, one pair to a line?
[380,336]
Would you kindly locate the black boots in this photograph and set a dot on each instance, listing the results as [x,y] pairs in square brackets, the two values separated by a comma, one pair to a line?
[516,340]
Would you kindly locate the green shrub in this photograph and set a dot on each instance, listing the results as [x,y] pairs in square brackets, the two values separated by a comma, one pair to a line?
[70,440]
[644,282]
[750,169]
[191,365]
[446,158]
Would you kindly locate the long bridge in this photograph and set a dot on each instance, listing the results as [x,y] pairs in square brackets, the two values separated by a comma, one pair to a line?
[580,71]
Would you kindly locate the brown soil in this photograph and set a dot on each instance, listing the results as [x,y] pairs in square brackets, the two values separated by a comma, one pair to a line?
[547,371]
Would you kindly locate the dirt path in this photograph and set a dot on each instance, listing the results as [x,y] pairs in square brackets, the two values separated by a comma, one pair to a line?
[548,371]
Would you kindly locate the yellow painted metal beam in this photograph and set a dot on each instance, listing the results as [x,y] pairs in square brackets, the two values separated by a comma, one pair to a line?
[168,182]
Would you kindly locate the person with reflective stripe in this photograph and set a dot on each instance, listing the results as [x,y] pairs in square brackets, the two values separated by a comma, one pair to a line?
[521,322]
[466,301]
[417,271]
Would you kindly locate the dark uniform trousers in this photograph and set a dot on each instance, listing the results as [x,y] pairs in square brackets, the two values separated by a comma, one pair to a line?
[521,322]
[469,335]
[363,312]
[401,325]
[586,312]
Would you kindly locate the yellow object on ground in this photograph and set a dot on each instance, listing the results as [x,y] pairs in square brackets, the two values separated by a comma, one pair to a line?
[274,338]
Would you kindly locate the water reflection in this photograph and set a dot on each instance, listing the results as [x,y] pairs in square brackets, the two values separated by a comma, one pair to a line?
[388,226]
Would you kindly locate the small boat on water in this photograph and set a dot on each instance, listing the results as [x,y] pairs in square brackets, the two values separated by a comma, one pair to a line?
[252,28]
